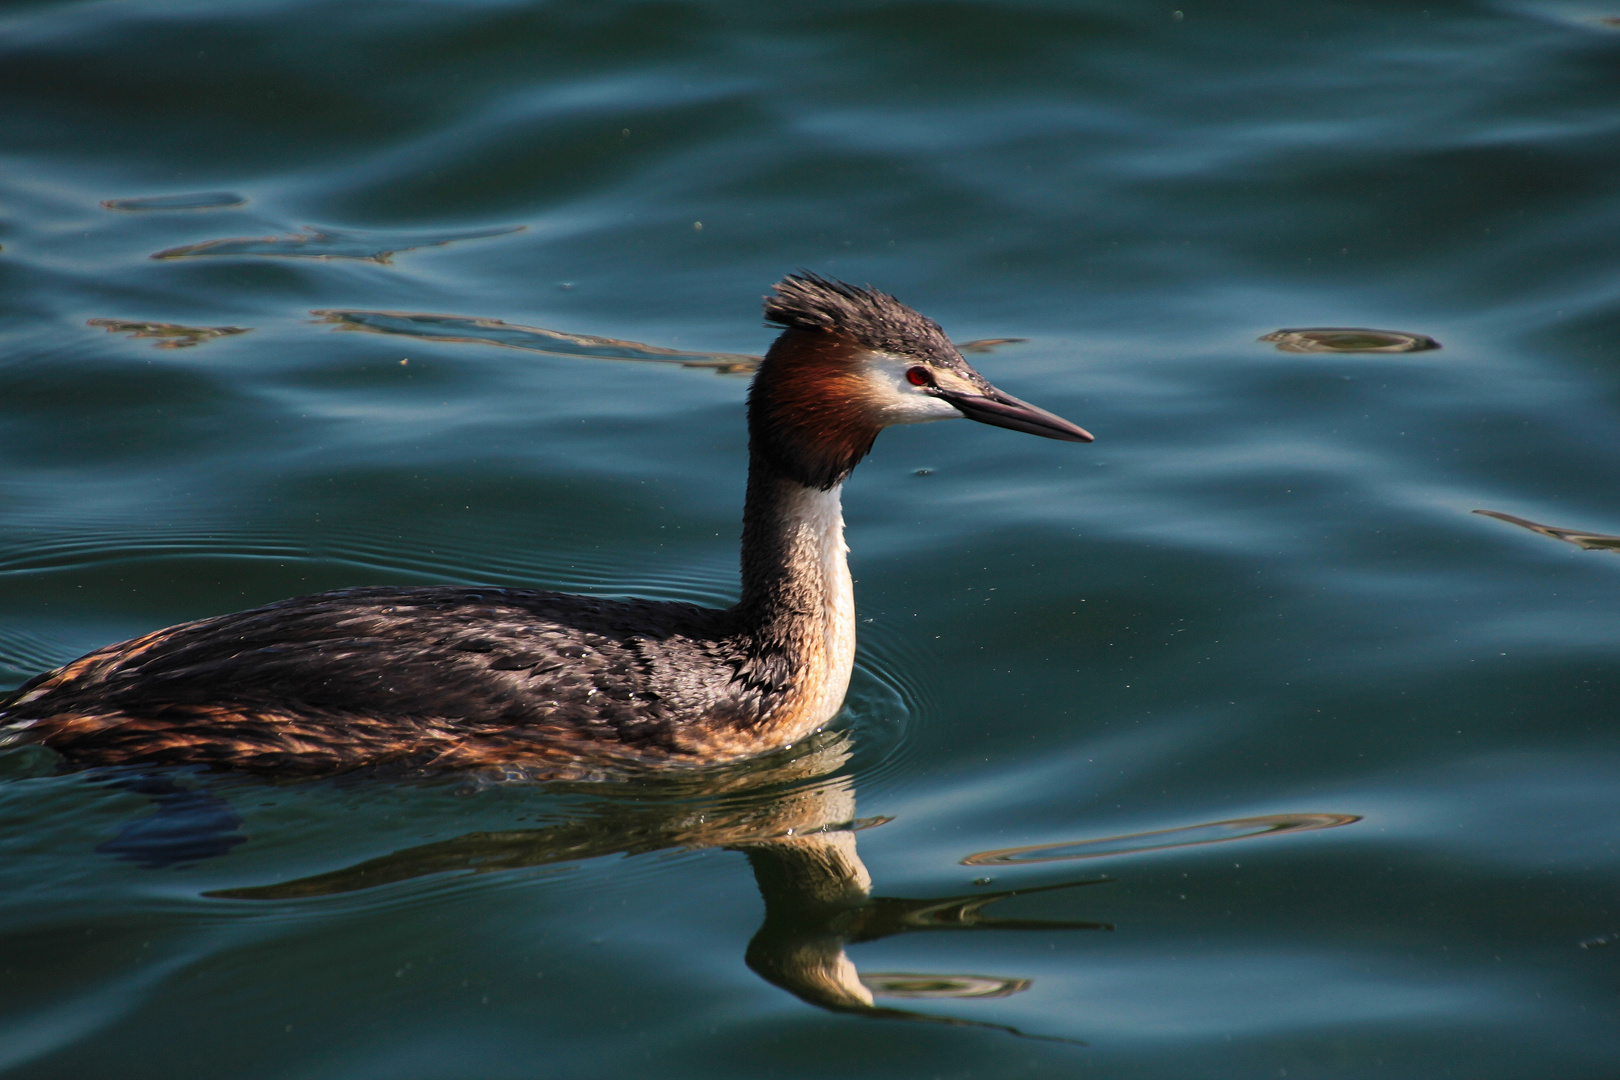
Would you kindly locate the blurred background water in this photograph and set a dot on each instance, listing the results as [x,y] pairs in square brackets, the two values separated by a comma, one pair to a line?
[1260,594]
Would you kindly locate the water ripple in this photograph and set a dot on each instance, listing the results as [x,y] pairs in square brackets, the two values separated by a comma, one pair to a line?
[887,703]
[315,243]
[897,984]
[92,549]
[484,331]
[427,558]
[1213,832]
[202,200]
[1588,541]
[169,335]
[1347,339]
[27,652]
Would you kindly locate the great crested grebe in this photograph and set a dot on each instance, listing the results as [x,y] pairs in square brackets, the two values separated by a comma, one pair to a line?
[543,684]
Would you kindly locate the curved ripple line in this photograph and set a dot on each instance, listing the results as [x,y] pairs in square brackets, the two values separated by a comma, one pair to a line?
[556,566]
[1348,339]
[486,331]
[317,243]
[27,652]
[889,701]
[199,200]
[1214,832]
[902,984]
[77,553]
[878,714]
[1587,541]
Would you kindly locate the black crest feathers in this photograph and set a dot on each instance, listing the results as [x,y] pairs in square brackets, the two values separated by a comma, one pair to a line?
[807,301]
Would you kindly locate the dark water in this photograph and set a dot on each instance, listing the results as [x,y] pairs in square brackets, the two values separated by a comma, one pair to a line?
[1088,671]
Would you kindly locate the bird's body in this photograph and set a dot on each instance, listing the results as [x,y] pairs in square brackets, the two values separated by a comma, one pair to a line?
[538,684]
[542,684]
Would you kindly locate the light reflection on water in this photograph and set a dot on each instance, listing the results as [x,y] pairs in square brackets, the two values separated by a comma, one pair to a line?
[1588,541]
[202,200]
[1342,339]
[902,985]
[1214,832]
[168,335]
[318,243]
[457,328]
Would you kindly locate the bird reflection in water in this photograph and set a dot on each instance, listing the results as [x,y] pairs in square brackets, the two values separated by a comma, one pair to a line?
[793,816]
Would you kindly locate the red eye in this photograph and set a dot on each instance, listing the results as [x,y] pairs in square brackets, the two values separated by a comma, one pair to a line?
[920,376]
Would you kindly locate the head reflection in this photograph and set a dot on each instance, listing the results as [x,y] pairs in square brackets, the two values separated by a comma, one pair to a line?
[793,816]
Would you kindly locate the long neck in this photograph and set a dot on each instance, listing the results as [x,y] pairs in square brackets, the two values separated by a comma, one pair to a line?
[798,604]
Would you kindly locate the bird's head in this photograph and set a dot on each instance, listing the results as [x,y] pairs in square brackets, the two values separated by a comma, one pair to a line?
[852,361]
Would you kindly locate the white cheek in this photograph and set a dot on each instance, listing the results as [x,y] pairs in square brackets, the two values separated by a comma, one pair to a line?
[899,402]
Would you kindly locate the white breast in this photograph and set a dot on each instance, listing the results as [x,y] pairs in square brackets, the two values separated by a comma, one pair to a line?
[818,539]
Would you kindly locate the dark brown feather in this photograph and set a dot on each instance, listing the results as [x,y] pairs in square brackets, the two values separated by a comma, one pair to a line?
[439,677]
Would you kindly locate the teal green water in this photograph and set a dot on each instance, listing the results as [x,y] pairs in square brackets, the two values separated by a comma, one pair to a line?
[1261,594]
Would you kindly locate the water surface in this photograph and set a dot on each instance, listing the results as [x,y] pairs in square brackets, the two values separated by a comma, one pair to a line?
[1262,594]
